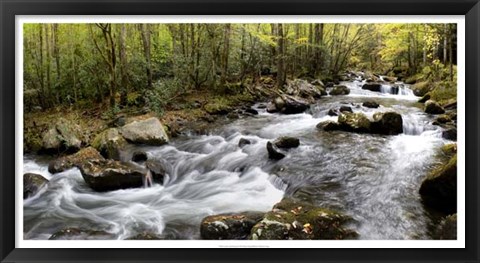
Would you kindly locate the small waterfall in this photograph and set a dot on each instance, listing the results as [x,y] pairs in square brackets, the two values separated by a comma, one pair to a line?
[387,89]
[147,180]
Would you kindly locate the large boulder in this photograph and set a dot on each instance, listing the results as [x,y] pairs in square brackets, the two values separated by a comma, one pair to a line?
[433,107]
[293,220]
[301,88]
[32,183]
[439,188]
[109,175]
[328,126]
[370,104]
[242,142]
[64,163]
[229,226]
[110,143]
[273,152]
[421,88]
[450,133]
[355,122]
[286,142]
[447,229]
[287,105]
[80,234]
[62,136]
[372,87]
[425,98]
[387,123]
[149,131]
[340,90]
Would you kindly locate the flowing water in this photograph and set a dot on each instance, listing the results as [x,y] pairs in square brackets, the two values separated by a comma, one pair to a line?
[373,178]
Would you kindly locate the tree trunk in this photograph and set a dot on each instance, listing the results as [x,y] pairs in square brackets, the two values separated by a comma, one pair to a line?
[145,32]
[226,47]
[281,74]
[123,65]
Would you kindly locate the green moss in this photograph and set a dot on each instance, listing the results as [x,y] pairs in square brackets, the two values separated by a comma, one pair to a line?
[443,92]
[449,149]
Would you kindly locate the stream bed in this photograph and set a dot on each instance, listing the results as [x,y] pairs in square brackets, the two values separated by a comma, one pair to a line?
[372,178]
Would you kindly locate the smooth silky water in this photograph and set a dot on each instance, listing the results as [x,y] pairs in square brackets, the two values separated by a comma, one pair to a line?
[373,178]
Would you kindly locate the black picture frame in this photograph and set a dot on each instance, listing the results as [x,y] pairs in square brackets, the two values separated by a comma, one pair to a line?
[11,8]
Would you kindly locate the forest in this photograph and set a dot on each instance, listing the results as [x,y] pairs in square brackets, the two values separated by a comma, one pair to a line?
[151,64]
[254,131]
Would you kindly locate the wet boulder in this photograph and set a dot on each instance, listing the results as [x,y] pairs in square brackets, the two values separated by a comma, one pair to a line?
[439,189]
[345,109]
[387,123]
[229,226]
[273,152]
[372,87]
[32,183]
[328,126]
[67,162]
[294,106]
[450,133]
[421,88]
[370,104]
[110,175]
[339,90]
[110,143]
[149,132]
[425,98]
[271,108]
[139,156]
[303,89]
[449,149]
[251,111]
[447,228]
[332,112]
[242,142]
[294,220]
[80,234]
[354,122]
[442,119]
[62,136]
[157,170]
[433,107]
[286,142]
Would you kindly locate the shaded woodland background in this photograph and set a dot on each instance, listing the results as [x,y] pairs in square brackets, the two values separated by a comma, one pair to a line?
[124,65]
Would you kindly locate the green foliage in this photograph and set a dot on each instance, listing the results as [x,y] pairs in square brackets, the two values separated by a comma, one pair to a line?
[162,93]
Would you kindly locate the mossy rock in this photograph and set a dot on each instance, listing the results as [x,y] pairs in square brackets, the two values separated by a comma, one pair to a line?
[62,136]
[291,219]
[229,226]
[356,122]
[447,229]
[64,163]
[449,149]
[439,188]
[110,143]
[421,88]
[32,183]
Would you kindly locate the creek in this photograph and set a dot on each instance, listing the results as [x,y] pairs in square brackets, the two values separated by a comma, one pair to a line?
[372,178]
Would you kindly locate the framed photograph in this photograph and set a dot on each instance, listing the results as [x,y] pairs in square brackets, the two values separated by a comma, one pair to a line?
[267,131]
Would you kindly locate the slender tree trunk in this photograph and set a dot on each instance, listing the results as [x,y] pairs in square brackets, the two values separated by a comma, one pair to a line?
[123,65]
[41,67]
[445,36]
[226,47]
[145,32]
[56,53]
[281,74]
